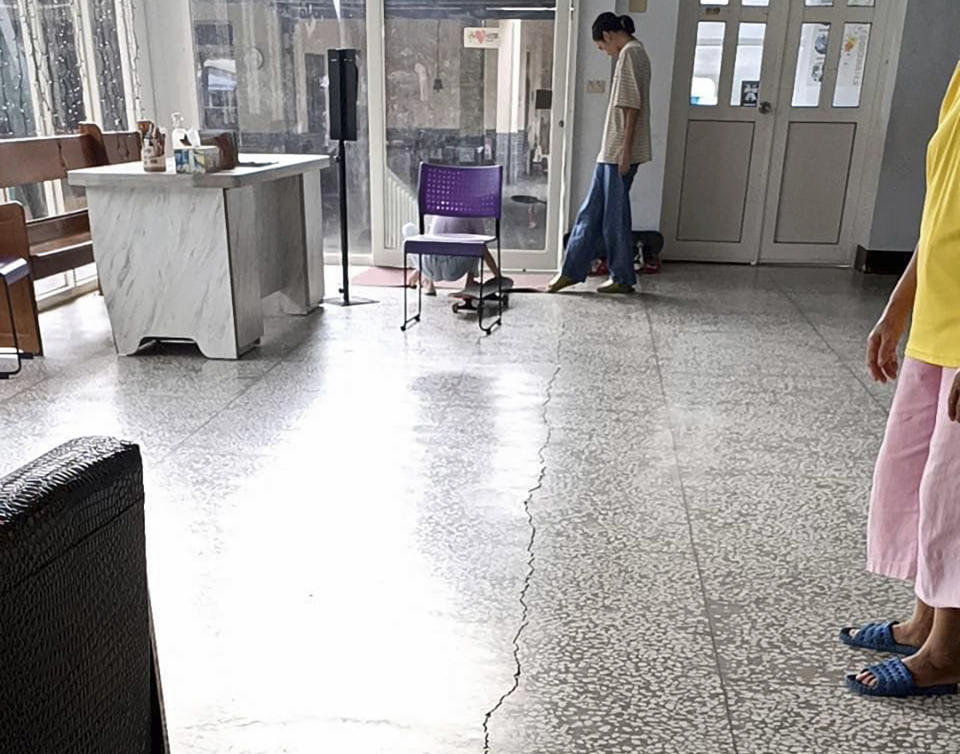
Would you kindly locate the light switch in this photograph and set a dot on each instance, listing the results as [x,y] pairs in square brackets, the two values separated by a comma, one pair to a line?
[638,6]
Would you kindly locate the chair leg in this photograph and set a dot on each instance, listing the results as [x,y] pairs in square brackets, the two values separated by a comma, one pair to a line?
[480,302]
[499,320]
[499,283]
[13,328]
[407,319]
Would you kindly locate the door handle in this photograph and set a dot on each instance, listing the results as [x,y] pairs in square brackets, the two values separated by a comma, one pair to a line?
[766,107]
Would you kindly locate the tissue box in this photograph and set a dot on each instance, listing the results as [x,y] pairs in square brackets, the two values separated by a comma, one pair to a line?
[204,160]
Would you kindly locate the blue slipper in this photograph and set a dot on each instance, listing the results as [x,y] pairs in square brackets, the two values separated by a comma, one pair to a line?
[875,636]
[894,679]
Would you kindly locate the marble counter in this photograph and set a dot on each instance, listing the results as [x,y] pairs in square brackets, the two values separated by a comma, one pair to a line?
[184,257]
[254,169]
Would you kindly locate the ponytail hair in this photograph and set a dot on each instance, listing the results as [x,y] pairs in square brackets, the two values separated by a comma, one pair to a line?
[611,22]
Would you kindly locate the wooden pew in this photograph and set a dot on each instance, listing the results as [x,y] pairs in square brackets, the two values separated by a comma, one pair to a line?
[56,244]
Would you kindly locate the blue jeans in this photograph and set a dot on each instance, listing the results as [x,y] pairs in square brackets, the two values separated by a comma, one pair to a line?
[604,221]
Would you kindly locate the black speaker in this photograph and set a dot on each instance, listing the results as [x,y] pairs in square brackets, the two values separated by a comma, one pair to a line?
[344,81]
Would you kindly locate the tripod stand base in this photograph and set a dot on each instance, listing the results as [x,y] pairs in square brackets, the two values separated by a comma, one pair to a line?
[351,301]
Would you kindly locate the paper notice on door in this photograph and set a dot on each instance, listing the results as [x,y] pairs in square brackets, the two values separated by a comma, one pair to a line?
[853,58]
[484,37]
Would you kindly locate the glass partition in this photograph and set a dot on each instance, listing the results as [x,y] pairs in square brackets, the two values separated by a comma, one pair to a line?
[262,71]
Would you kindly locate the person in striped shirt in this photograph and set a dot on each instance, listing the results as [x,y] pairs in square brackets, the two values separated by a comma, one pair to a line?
[604,219]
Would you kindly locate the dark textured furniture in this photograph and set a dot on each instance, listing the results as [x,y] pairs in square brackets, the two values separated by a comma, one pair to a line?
[78,671]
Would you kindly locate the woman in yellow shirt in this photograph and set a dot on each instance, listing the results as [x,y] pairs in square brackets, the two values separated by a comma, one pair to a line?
[914,528]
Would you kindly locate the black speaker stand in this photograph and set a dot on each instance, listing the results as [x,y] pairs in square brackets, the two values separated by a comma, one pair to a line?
[345,299]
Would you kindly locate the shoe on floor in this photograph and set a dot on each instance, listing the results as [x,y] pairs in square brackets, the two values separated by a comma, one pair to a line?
[651,268]
[559,283]
[894,679]
[875,636]
[612,286]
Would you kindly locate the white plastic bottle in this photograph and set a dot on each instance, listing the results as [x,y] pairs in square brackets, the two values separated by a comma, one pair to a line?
[179,133]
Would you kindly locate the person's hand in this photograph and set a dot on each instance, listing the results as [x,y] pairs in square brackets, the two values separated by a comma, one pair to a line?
[882,346]
[624,164]
[953,400]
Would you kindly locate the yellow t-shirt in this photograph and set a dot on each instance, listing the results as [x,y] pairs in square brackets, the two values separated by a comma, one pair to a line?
[935,335]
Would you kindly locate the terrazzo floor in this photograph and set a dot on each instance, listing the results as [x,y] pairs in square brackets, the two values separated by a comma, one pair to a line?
[615,525]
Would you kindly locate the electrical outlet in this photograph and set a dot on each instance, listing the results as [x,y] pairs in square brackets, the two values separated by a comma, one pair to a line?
[598,86]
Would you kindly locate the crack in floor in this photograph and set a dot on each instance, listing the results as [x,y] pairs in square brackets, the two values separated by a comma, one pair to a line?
[531,555]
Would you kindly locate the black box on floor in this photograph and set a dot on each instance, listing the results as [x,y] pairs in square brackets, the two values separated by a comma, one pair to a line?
[874,262]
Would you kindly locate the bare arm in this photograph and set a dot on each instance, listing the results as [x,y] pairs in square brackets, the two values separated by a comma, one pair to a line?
[630,124]
[886,334]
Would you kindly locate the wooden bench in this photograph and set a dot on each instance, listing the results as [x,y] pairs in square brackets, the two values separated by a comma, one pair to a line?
[52,245]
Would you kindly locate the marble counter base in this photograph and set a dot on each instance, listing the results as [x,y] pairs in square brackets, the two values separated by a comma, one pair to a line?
[185,263]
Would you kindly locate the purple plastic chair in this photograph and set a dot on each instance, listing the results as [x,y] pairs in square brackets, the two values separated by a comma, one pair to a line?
[13,270]
[457,192]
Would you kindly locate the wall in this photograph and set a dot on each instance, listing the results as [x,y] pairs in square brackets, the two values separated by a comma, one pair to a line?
[928,57]
[657,29]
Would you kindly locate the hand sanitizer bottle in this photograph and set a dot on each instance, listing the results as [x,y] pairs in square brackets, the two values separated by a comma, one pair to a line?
[181,145]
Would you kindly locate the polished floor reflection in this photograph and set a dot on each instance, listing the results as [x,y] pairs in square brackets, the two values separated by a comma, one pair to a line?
[616,525]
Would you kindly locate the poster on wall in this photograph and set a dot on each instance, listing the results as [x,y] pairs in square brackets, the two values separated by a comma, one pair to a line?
[486,38]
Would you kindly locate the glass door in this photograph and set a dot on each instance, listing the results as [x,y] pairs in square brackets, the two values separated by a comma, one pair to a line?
[469,82]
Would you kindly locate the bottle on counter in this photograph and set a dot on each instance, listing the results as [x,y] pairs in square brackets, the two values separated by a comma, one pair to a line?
[182,146]
[153,147]
[178,136]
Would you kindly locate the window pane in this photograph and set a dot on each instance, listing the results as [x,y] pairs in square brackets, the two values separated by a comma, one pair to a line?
[714,2]
[814,40]
[61,61]
[261,71]
[818,3]
[759,3]
[861,3]
[109,70]
[853,58]
[746,71]
[85,273]
[707,63]
[16,104]
[51,284]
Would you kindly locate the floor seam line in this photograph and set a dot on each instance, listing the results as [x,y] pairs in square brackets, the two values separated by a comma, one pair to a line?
[531,555]
[693,544]
[783,292]
[253,383]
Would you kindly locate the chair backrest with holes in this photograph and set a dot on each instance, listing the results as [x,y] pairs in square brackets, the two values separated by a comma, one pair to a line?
[447,191]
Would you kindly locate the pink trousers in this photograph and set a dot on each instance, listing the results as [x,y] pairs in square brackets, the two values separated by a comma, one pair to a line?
[914,529]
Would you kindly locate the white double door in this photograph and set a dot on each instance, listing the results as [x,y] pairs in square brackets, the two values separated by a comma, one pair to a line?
[772,115]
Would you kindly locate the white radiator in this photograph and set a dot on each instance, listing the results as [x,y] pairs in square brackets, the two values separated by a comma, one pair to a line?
[400,208]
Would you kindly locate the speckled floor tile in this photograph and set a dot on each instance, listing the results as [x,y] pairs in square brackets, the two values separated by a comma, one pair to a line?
[792,719]
[654,503]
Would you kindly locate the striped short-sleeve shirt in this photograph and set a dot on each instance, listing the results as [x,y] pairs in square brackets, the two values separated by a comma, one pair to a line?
[630,89]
